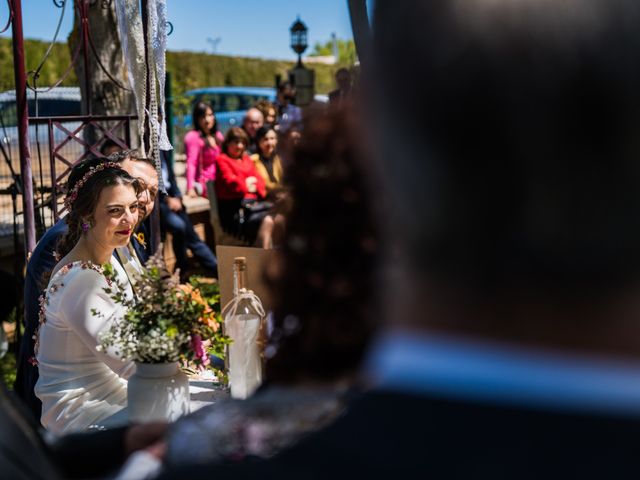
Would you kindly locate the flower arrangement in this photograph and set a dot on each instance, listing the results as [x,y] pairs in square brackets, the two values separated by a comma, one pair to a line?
[165,321]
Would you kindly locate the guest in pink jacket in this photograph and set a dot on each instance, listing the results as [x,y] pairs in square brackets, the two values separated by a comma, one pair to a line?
[202,146]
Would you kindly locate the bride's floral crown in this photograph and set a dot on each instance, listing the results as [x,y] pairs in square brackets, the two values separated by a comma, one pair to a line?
[73,193]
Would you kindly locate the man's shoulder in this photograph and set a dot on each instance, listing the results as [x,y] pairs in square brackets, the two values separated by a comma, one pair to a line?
[431,434]
[43,253]
[55,231]
[416,436]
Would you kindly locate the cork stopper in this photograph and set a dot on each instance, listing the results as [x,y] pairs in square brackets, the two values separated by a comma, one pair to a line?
[240,262]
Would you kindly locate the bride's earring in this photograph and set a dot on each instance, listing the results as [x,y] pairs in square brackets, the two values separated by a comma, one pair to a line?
[85,226]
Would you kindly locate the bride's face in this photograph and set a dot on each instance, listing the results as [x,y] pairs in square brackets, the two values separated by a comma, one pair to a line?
[115,216]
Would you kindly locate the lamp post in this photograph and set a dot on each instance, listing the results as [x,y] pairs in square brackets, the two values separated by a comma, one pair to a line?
[299,38]
[302,78]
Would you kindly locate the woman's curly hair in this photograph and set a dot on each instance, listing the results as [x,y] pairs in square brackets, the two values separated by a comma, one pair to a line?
[322,288]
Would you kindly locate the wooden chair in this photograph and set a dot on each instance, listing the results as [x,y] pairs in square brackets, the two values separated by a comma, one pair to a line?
[221,237]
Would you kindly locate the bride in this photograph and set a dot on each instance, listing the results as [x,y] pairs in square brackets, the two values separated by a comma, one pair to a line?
[78,385]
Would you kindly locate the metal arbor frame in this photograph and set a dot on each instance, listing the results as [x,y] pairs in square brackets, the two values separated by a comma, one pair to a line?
[55,143]
[56,157]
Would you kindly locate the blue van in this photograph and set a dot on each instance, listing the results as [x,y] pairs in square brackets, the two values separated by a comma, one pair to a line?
[230,104]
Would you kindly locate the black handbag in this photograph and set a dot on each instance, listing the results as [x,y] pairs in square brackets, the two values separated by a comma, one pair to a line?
[250,206]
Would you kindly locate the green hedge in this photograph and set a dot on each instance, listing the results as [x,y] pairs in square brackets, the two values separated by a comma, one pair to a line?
[189,69]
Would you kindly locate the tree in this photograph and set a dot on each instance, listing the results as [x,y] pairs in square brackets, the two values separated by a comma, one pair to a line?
[105,96]
[346,50]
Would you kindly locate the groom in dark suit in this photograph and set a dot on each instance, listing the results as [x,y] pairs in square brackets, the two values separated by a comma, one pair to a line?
[512,347]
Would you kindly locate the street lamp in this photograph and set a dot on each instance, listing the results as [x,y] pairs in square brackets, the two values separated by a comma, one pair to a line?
[299,38]
[301,77]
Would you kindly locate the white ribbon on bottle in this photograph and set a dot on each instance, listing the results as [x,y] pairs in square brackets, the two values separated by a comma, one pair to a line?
[231,308]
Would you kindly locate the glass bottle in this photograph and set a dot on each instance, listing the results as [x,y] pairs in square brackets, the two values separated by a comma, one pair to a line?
[243,326]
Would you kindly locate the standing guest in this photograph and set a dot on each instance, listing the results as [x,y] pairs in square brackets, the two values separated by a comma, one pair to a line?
[202,146]
[79,385]
[268,110]
[238,185]
[174,219]
[267,160]
[251,123]
[512,348]
[289,115]
[44,258]
[342,94]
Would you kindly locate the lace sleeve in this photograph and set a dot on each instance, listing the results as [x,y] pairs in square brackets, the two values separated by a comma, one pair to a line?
[82,294]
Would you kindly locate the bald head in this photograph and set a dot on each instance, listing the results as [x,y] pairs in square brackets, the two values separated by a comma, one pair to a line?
[252,122]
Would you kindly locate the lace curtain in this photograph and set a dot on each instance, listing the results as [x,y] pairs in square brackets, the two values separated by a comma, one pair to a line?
[133,48]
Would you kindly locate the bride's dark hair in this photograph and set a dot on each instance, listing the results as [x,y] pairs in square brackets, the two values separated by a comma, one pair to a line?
[87,197]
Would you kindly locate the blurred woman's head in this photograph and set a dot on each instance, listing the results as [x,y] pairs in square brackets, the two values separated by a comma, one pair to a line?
[235,142]
[267,141]
[323,285]
[204,119]
[268,110]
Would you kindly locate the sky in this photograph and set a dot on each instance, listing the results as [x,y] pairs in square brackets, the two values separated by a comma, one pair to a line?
[253,28]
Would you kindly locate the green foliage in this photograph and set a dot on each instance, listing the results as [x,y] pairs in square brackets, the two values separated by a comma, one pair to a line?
[8,362]
[189,69]
[8,369]
[164,322]
[209,290]
[346,51]
[34,51]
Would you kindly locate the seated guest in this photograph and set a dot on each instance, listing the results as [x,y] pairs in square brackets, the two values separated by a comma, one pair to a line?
[110,146]
[289,115]
[44,258]
[237,186]
[174,219]
[80,385]
[511,348]
[268,111]
[322,324]
[202,147]
[251,123]
[267,161]
[342,95]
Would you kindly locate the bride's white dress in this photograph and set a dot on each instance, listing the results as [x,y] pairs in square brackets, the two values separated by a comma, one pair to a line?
[78,385]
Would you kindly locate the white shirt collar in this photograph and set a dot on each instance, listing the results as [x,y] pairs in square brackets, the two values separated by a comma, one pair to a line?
[474,370]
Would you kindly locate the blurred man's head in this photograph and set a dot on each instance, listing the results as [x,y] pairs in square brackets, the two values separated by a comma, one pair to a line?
[144,170]
[252,122]
[110,146]
[521,167]
[343,79]
[286,93]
